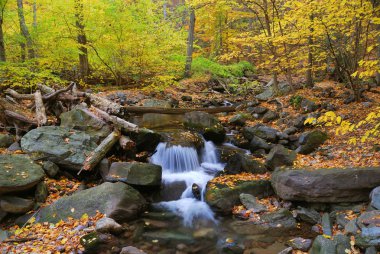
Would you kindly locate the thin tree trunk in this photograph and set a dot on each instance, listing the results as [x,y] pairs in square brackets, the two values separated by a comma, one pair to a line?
[35,14]
[378,55]
[2,43]
[309,72]
[190,44]
[84,68]
[24,30]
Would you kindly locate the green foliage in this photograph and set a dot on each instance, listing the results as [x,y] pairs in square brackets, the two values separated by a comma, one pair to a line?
[202,66]
[295,101]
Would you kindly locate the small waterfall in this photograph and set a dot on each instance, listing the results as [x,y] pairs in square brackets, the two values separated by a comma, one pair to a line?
[184,164]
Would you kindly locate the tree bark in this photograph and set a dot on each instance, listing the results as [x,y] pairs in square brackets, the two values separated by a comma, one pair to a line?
[116,121]
[2,43]
[40,109]
[190,43]
[309,72]
[126,143]
[84,68]
[24,29]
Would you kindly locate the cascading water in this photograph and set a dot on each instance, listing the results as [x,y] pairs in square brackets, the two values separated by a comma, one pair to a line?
[184,164]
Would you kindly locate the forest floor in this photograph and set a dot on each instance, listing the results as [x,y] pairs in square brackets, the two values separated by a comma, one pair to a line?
[63,236]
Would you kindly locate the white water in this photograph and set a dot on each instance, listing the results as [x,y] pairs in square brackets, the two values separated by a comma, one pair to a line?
[184,164]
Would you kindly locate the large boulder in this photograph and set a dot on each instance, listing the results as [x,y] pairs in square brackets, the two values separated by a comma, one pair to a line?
[154,103]
[18,173]
[280,156]
[222,198]
[239,163]
[262,131]
[206,124]
[12,204]
[118,201]
[135,173]
[145,139]
[184,139]
[84,120]
[326,185]
[63,146]
[310,141]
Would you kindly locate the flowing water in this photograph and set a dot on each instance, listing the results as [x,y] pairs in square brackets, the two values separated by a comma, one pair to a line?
[186,164]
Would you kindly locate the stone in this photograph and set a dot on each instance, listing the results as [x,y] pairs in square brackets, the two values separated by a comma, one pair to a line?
[18,173]
[3,214]
[42,192]
[223,198]
[342,243]
[184,139]
[299,243]
[259,143]
[267,133]
[326,224]
[168,237]
[325,185]
[322,245]
[197,191]
[103,168]
[11,204]
[299,121]
[118,200]
[96,242]
[280,156]
[259,110]
[310,141]
[369,236]
[83,120]
[308,106]
[239,163]
[269,116]
[15,146]
[290,130]
[146,140]
[154,103]
[135,173]
[277,223]
[308,215]
[6,140]
[206,124]
[288,250]
[351,227]
[375,198]
[108,225]
[238,119]
[250,202]
[131,250]
[63,146]
[370,250]
[186,98]
[50,168]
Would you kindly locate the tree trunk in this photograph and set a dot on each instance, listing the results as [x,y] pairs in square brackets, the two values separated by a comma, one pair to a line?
[190,44]
[24,30]
[84,68]
[2,45]
[309,72]
[378,54]
[40,109]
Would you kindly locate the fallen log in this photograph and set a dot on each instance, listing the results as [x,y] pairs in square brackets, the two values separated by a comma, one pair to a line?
[117,121]
[40,109]
[19,96]
[105,105]
[126,143]
[172,111]
[98,154]
[45,89]
[20,117]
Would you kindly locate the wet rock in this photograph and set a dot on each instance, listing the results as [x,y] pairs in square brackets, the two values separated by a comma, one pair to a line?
[231,248]
[375,198]
[184,139]
[197,191]
[280,156]
[371,250]
[135,173]
[50,168]
[300,244]
[259,143]
[206,124]
[108,225]
[269,116]
[154,103]
[250,202]
[118,200]
[18,173]
[168,237]
[6,140]
[71,151]
[267,133]
[146,140]
[308,106]
[240,141]
[326,224]
[322,245]
[103,168]
[83,120]
[223,198]
[326,185]
[310,141]
[276,224]
[97,242]
[41,193]
[238,119]
[131,250]
[239,163]
[308,215]
[12,204]
[3,214]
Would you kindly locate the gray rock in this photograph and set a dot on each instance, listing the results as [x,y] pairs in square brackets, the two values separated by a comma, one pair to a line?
[250,202]
[325,185]
[186,98]
[96,242]
[351,227]
[290,130]
[3,235]
[131,250]
[169,237]
[206,124]
[41,193]
[11,204]
[308,215]
[154,103]
[280,156]
[118,200]
[267,133]
[18,173]
[3,214]
[6,140]
[308,106]
[342,243]
[50,168]
[83,120]
[259,143]
[223,198]
[259,110]
[326,224]
[63,146]
[14,147]
[371,250]
[375,198]
[238,119]
[146,140]
[322,245]
[135,173]
[269,116]
[310,141]
[369,236]
[108,225]
[299,243]
[239,163]
[103,168]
